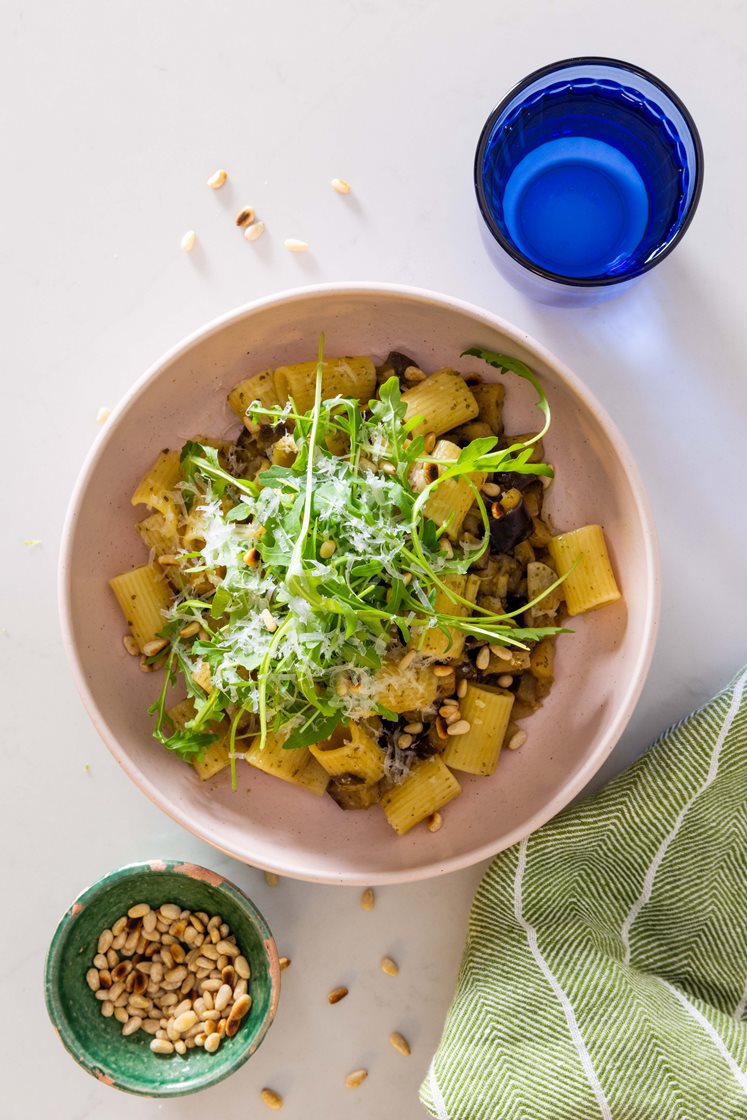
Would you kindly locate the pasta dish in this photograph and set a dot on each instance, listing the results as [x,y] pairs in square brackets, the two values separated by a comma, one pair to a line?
[361,592]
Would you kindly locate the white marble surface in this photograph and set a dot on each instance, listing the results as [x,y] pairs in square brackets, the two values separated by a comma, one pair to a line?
[114,114]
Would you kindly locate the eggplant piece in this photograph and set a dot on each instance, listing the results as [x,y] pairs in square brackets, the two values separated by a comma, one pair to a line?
[512,480]
[354,796]
[399,362]
[511,529]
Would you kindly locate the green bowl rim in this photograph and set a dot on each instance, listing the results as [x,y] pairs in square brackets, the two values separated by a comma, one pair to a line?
[132,871]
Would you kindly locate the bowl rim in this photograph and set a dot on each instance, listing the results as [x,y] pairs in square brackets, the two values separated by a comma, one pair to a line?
[92,893]
[651,590]
[508,247]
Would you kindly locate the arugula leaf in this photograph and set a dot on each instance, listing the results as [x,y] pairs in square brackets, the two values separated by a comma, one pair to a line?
[502,362]
[315,730]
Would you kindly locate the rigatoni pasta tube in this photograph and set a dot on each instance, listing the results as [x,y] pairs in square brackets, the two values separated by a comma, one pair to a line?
[443,400]
[450,501]
[341,377]
[143,594]
[290,765]
[404,690]
[433,641]
[488,711]
[215,757]
[260,388]
[428,787]
[581,556]
[155,486]
[351,749]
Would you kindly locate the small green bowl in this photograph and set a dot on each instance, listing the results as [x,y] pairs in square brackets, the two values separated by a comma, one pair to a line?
[97,1043]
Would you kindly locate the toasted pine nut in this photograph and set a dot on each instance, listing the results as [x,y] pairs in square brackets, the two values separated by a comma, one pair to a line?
[414,373]
[271,878]
[245,217]
[356,1078]
[505,680]
[217,179]
[390,967]
[462,688]
[140,909]
[254,231]
[407,660]
[400,1043]
[404,742]
[150,649]
[272,1099]
[92,979]
[483,658]
[413,728]
[337,994]
[340,185]
[284,962]
[212,1042]
[429,442]
[368,899]
[293,245]
[442,671]
[241,1007]
[491,490]
[501,652]
[188,241]
[461,727]
[518,739]
[434,822]
[132,1025]
[107,1008]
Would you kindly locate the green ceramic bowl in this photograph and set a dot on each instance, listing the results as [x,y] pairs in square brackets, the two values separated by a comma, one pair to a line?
[97,1043]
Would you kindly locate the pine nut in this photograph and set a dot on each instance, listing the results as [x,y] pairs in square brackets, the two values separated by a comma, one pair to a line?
[169,911]
[142,908]
[461,727]
[254,231]
[92,979]
[217,179]
[442,671]
[132,1025]
[226,947]
[429,442]
[119,926]
[112,958]
[340,185]
[212,1042]
[356,1078]
[185,1021]
[210,986]
[245,217]
[390,967]
[284,962]
[150,1026]
[483,658]
[268,621]
[107,1009]
[180,1046]
[149,922]
[404,742]
[272,1099]
[434,822]
[518,739]
[293,245]
[400,1043]
[120,1014]
[501,652]
[491,490]
[228,975]
[368,899]
[175,975]
[241,1007]
[271,879]
[505,680]
[162,1046]
[188,241]
[462,688]
[337,994]
[223,997]
[105,941]
[327,549]
[414,373]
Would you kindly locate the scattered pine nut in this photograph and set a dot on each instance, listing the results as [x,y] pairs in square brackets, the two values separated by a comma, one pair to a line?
[189,631]
[483,658]
[130,645]
[254,231]
[150,649]
[217,179]
[446,547]
[390,967]
[103,414]
[501,652]
[407,660]
[462,688]
[414,373]
[340,185]
[400,1043]
[284,962]
[413,728]
[404,742]
[441,727]
[337,994]
[356,1078]
[327,549]
[429,442]
[368,899]
[271,878]
[252,557]
[272,1099]
[518,739]
[293,245]
[245,217]
[442,671]
[505,680]
[491,490]
[144,666]
[188,241]
[461,727]
[434,822]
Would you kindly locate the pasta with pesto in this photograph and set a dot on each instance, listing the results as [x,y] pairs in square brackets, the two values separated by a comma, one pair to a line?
[359,593]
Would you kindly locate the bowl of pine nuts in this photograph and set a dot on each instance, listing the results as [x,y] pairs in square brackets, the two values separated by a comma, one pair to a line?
[162,978]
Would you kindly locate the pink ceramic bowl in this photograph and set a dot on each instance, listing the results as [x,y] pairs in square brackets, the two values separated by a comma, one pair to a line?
[600,669]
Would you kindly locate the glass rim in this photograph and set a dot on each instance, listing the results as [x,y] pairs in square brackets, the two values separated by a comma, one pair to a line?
[503,104]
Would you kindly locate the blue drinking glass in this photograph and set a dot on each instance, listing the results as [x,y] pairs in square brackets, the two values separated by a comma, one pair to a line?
[587,174]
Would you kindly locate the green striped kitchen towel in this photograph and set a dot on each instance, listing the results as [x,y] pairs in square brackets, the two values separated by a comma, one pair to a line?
[605,972]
